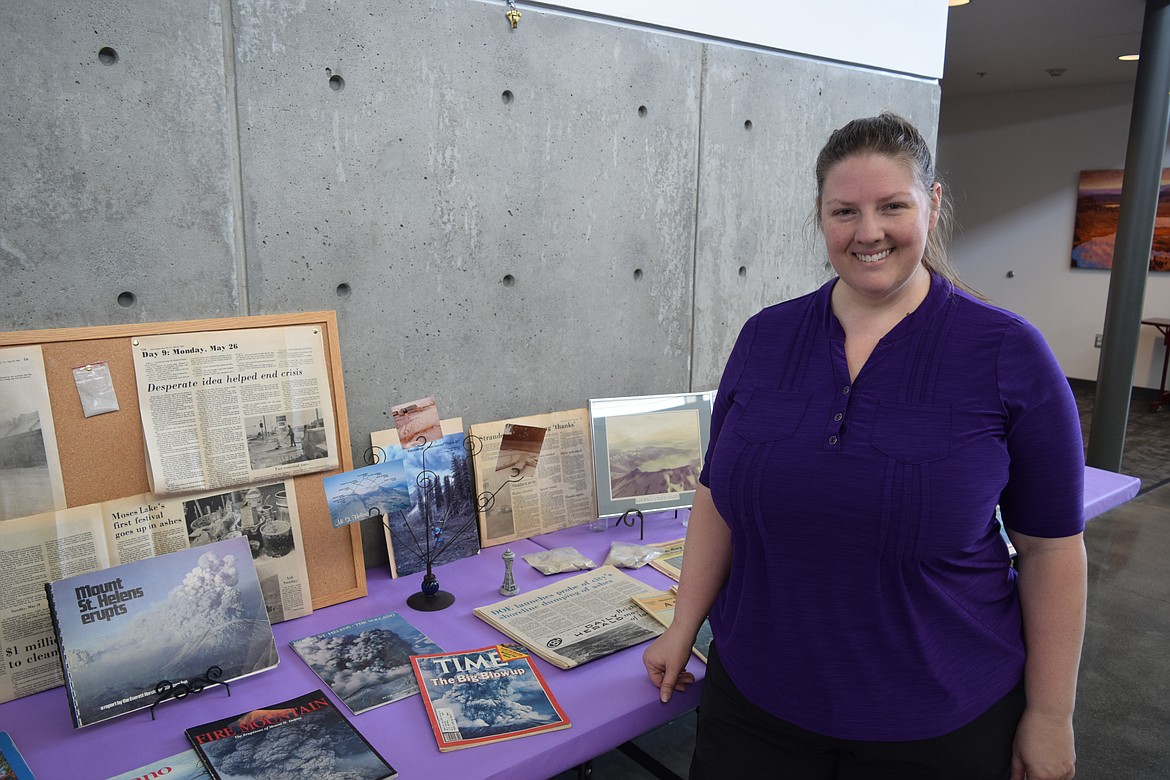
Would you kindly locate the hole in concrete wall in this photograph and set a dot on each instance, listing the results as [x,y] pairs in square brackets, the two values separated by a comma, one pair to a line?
[743,270]
[336,83]
[127,299]
[637,274]
[507,96]
[508,280]
[642,111]
[343,290]
[747,125]
[107,56]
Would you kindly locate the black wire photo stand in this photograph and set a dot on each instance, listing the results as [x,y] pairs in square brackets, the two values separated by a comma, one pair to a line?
[167,690]
[432,539]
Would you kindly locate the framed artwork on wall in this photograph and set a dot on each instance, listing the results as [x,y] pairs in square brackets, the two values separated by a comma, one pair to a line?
[1098,207]
[648,450]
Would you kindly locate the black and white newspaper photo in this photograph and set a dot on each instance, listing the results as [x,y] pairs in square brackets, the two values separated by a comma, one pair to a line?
[234,407]
[266,513]
[30,468]
[557,494]
[577,619]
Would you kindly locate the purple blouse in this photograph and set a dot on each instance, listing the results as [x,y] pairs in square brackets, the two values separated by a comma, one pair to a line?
[870,595]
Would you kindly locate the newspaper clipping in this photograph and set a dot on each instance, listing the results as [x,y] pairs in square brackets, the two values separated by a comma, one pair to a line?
[234,407]
[35,550]
[578,619]
[54,545]
[559,495]
[671,561]
[30,468]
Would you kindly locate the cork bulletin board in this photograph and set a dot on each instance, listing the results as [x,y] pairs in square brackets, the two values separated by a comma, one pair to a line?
[103,457]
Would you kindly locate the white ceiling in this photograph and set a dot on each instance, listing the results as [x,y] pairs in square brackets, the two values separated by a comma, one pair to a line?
[1015,43]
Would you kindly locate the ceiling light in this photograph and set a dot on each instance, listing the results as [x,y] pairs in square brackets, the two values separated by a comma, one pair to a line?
[1128,58]
[957,3]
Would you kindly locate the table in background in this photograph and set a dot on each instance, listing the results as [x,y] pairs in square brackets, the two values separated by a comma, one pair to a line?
[1163,327]
[1107,489]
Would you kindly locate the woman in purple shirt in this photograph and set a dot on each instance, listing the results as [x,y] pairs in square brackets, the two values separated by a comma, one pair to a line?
[867,620]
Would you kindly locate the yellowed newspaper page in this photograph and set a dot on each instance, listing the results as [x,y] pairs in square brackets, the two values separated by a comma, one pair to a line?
[234,407]
[30,466]
[671,560]
[147,525]
[35,550]
[577,619]
[660,606]
[559,495]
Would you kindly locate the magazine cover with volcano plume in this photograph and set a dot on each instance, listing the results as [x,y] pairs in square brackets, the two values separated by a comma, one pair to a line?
[476,697]
[124,630]
[302,737]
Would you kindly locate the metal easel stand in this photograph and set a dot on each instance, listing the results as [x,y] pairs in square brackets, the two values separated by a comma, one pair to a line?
[167,690]
[627,518]
[430,598]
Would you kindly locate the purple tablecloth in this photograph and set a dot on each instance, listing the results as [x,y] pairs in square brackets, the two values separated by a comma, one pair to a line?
[609,700]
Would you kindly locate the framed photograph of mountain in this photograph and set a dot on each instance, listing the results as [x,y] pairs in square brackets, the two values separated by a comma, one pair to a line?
[1098,209]
[648,450]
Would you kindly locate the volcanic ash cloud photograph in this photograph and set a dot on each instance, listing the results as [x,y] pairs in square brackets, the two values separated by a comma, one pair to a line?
[189,618]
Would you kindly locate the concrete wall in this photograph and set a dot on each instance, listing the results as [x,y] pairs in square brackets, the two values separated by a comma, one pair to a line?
[1013,162]
[511,221]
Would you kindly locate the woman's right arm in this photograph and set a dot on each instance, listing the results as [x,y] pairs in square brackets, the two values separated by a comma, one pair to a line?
[706,563]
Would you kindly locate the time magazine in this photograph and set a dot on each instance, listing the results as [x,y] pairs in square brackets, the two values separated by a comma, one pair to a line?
[476,697]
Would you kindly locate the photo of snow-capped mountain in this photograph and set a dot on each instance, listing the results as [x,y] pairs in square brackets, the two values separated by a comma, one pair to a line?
[654,454]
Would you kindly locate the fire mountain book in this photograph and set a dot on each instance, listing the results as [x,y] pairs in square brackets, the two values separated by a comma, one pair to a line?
[476,697]
[302,737]
[367,663]
[123,630]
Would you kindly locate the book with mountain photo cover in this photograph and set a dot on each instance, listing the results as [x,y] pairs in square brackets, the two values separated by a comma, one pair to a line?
[124,630]
[367,663]
[303,737]
[12,764]
[492,694]
[181,766]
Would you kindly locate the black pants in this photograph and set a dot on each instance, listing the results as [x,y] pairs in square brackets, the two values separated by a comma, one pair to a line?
[735,738]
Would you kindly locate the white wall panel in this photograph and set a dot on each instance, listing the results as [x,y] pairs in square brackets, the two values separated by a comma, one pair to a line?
[908,36]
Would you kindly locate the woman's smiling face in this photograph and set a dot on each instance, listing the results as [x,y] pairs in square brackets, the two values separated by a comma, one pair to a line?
[876,217]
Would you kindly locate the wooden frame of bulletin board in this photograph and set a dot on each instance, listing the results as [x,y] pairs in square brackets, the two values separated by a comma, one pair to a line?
[104,457]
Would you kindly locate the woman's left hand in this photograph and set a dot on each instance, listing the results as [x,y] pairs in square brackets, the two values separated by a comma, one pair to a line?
[1043,748]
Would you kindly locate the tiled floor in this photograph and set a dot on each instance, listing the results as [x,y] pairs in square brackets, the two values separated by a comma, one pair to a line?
[1123,703]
